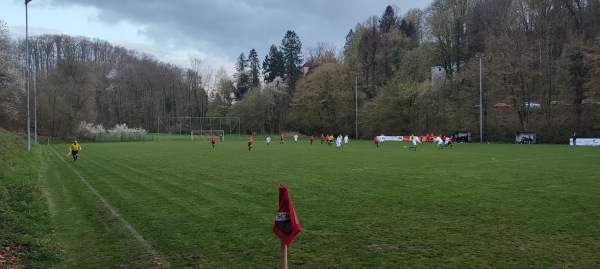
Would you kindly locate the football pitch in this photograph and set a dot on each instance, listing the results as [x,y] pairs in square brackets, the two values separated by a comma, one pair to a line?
[181,204]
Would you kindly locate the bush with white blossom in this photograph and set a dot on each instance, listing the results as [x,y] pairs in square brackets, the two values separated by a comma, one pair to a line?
[88,130]
[121,132]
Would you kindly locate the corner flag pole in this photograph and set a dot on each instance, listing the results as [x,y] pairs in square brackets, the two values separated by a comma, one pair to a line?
[286,224]
[283,256]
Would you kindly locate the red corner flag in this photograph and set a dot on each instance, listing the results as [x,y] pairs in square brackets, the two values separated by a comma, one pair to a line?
[286,224]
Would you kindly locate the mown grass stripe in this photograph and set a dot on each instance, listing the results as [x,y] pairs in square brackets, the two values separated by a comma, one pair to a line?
[476,206]
[158,259]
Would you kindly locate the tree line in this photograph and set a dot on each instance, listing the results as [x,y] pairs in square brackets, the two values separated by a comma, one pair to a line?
[531,51]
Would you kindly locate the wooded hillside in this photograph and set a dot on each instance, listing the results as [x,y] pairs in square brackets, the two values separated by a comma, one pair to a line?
[532,51]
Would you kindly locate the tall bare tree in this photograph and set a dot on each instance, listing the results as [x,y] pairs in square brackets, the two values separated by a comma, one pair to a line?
[11,82]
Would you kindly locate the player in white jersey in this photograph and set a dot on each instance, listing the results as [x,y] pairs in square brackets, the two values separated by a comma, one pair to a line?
[268,140]
[346,139]
[415,140]
[448,142]
[440,142]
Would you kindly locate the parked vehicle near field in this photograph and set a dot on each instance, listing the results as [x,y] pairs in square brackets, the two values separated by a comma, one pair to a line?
[589,101]
[502,105]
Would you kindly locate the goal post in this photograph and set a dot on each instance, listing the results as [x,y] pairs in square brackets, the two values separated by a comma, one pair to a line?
[205,134]
[198,127]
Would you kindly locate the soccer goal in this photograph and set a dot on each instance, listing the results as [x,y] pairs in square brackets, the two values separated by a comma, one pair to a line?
[205,134]
[199,127]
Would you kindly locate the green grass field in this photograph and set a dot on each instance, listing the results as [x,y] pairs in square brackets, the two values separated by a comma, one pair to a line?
[185,205]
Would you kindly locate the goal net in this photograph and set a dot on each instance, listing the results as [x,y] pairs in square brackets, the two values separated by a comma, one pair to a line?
[181,128]
[206,134]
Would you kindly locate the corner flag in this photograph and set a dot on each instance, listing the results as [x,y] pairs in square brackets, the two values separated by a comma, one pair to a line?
[286,224]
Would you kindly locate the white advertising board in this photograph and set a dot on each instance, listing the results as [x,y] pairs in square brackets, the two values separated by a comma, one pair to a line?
[390,138]
[586,142]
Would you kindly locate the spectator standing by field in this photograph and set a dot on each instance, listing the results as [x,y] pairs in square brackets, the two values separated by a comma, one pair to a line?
[574,137]
[74,150]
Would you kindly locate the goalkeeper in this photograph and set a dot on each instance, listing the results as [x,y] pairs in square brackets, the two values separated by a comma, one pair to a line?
[74,150]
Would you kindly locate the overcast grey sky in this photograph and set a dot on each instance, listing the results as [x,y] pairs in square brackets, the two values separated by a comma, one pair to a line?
[216,31]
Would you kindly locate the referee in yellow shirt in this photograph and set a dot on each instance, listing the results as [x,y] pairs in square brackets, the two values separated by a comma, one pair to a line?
[75,148]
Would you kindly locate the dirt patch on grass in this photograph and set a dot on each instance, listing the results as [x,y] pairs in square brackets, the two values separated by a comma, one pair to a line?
[523,246]
[9,258]
[380,247]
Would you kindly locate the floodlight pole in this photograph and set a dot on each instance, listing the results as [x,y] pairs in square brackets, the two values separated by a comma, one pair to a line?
[480,56]
[27,77]
[356,106]
[35,131]
[356,103]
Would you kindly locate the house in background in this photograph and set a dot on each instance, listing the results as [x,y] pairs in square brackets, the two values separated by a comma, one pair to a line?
[309,67]
[438,76]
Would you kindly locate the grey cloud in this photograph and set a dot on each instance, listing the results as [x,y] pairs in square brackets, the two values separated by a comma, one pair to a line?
[230,27]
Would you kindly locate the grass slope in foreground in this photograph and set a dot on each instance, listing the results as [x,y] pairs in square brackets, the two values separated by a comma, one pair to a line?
[25,229]
[473,206]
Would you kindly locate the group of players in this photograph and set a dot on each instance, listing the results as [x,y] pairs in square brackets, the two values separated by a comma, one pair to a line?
[441,140]
[325,138]
[328,138]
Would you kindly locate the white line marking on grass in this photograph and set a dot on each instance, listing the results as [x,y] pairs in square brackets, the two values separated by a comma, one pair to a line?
[158,260]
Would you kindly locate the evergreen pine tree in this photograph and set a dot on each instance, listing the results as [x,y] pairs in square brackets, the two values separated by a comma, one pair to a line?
[273,65]
[388,20]
[242,77]
[254,65]
[291,47]
[348,44]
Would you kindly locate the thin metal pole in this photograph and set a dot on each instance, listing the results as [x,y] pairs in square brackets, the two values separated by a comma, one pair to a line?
[480,102]
[27,77]
[35,131]
[356,105]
